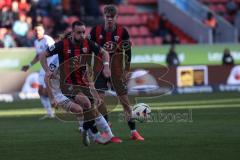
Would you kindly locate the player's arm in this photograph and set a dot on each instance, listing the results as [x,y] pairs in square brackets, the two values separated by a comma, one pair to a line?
[106,58]
[127,48]
[33,61]
[52,50]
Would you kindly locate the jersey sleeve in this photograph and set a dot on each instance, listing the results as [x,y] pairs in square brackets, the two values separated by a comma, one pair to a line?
[49,41]
[94,47]
[126,45]
[125,35]
[56,48]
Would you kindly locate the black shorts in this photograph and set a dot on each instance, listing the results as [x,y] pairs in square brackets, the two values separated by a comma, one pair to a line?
[101,83]
[117,84]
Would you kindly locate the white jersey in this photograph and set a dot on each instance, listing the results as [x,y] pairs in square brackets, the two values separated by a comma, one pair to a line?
[43,44]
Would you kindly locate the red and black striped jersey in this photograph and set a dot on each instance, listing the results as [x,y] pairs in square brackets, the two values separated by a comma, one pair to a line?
[113,41]
[73,59]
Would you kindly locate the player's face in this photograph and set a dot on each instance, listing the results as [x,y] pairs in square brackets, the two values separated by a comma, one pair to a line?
[39,31]
[110,20]
[79,32]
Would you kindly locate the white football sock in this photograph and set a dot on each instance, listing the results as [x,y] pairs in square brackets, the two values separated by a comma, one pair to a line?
[133,130]
[102,125]
[47,105]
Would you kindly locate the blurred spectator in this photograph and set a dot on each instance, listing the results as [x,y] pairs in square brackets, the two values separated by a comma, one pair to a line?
[8,39]
[20,27]
[211,22]
[172,57]
[5,3]
[153,22]
[15,10]
[163,29]
[43,7]
[6,16]
[231,7]
[91,8]
[23,6]
[66,4]
[30,39]
[227,58]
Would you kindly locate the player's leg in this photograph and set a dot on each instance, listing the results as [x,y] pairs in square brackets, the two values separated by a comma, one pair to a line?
[120,87]
[90,113]
[101,86]
[43,93]
[128,114]
[45,102]
[100,121]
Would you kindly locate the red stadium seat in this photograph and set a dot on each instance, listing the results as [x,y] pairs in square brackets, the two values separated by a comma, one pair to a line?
[126,9]
[149,41]
[143,31]
[157,40]
[133,31]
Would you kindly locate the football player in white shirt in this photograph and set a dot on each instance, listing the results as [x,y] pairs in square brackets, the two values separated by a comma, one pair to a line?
[41,44]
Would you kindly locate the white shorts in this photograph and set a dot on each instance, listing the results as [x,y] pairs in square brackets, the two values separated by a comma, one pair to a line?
[41,78]
[60,98]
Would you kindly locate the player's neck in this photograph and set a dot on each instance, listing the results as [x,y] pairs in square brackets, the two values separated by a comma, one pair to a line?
[110,28]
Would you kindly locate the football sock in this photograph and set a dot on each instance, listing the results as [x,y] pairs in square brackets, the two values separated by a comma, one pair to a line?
[87,125]
[133,130]
[103,125]
[80,123]
[132,124]
[46,103]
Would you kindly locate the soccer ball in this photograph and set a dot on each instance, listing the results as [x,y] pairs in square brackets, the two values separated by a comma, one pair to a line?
[141,112]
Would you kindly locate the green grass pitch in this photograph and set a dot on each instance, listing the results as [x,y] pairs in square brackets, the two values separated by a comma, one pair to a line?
[195,127]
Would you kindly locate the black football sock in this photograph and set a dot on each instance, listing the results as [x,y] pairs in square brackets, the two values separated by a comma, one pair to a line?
[94,129]
[89,125]
[132,124]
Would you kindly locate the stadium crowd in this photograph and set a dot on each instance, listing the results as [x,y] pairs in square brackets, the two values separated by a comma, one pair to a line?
[19,17]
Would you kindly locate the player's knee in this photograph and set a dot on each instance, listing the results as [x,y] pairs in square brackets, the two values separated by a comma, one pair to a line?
[83,101]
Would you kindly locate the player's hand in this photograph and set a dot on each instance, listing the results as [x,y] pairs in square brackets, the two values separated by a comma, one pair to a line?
[106,71]
[25,68]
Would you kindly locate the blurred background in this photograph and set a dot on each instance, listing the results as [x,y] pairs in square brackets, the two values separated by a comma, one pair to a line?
[179,46]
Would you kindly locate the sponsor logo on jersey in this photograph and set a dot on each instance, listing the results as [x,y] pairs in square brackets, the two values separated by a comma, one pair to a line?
[116,38]
[84,50]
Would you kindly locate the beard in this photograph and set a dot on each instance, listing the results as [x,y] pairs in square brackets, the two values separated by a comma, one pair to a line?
[77,40]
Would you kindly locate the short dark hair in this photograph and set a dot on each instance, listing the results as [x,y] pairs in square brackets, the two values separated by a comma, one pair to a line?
[77,23]
[39,25]
[110,9]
